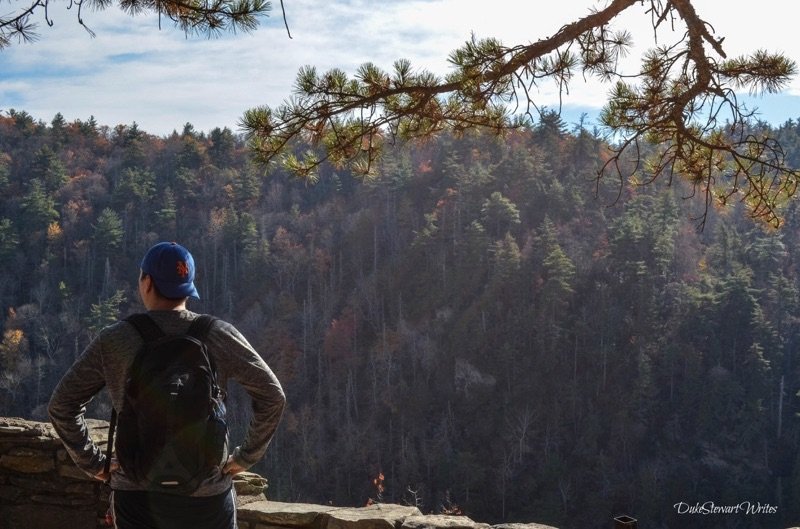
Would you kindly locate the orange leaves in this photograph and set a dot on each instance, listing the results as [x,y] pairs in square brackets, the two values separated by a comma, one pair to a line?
[377,484]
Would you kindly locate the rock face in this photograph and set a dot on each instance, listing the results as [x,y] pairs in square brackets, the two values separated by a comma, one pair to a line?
[41,488]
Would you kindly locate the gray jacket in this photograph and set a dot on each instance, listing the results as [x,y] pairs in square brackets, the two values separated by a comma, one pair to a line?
[105,363]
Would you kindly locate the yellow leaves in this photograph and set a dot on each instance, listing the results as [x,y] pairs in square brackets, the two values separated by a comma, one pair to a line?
[54,233]
[13,349]
[13,339]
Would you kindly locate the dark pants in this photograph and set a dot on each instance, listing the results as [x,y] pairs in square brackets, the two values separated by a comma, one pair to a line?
[154,510]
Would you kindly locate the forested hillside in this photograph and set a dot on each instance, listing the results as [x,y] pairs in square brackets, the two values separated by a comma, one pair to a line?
[478,329]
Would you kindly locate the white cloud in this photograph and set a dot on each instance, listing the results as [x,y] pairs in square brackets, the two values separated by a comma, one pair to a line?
[161,79]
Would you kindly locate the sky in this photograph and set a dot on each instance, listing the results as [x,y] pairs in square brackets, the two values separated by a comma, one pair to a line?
[132,71]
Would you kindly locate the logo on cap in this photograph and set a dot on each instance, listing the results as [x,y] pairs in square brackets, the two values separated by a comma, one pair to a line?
[183,269]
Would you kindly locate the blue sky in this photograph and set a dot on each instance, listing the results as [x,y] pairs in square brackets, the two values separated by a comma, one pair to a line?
[160,79]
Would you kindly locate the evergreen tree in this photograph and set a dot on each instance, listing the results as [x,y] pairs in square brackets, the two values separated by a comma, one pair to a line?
[499,214]
[498,368]
[104,313]
[108,232]
[38,207]
[48,169]
[9,239]
[221,150]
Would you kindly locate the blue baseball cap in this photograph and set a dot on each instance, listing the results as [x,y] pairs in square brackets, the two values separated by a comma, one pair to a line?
[172,268]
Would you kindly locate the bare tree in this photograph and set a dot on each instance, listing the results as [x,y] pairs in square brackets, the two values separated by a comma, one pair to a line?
[682,103]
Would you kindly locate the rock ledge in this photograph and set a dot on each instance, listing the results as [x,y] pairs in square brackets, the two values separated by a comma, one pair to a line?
[40,487]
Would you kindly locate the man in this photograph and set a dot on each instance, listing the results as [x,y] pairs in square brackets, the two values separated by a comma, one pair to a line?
[166,281]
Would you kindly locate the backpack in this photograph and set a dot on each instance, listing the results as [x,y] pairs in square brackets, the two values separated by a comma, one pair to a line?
[171,430]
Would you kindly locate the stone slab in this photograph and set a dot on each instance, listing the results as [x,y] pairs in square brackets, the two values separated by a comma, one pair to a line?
[376,516]
[437,521]
[17,427]
[282,514]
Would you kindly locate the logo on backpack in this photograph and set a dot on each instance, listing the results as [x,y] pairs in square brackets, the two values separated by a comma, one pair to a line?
[171,430]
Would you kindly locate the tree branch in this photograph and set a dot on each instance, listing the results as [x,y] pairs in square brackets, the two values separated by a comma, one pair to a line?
[207,17]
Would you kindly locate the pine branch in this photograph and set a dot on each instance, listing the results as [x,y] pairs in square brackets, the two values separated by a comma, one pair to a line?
[678,103]
[204,17]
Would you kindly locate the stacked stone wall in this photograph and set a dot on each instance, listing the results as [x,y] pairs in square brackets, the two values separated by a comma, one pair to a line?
[39,484]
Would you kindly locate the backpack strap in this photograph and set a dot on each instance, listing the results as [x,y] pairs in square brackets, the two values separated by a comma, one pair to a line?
[147,328]
[199,329]
[149,332]
[200,326]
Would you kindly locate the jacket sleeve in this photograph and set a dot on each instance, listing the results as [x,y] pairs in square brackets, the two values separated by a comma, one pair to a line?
[68,405]
[241,363]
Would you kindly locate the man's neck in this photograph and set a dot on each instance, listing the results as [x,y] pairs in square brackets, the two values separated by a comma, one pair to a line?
[167,304]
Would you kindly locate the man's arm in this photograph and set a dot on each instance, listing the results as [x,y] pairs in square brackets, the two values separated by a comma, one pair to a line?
[243,364]
[68,404]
